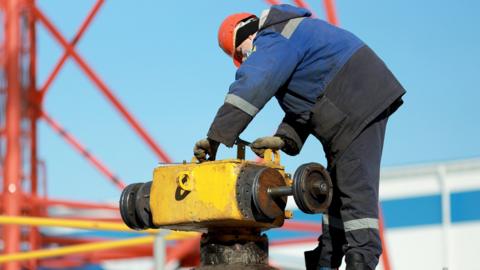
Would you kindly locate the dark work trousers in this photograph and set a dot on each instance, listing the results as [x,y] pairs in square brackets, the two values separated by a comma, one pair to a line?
[351,224]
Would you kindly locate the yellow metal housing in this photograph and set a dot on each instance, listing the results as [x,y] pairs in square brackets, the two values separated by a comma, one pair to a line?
[200,196]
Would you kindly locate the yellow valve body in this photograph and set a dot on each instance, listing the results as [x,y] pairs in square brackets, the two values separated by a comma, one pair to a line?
[201,196]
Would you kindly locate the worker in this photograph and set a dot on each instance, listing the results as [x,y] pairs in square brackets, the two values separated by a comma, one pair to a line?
[329,84]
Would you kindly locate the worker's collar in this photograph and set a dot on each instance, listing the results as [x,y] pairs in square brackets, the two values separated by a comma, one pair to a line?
[263,17]
[279,14]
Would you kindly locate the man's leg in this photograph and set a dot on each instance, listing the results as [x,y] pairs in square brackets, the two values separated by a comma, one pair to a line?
[329,252]
[357,174]
[332,240]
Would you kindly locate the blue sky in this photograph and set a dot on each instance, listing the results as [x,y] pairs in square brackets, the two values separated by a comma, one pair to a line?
[162,60]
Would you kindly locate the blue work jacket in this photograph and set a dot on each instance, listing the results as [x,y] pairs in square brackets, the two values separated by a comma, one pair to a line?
[296,58]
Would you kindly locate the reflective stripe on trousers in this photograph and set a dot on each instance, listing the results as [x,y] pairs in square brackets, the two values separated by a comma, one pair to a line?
[351,225]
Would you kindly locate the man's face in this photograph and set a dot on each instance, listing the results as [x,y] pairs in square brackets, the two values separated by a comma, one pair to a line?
[245,48]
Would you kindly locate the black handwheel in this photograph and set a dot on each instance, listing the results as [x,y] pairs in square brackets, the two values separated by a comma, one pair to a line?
[142,205]
[312,188]
[130,201]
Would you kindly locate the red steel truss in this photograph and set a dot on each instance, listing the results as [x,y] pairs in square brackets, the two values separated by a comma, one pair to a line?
[21,107]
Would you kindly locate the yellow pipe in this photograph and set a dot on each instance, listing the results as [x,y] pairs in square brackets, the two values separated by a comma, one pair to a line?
[84,224]
[76,249]
[71,223]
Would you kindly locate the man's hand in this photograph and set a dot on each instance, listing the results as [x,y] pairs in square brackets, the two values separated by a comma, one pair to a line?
[205,147]
[261,144]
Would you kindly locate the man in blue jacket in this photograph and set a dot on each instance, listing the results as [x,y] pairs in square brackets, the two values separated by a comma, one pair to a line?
[329,84]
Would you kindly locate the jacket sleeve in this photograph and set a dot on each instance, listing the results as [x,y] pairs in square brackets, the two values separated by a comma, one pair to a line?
[293,133]
[257,80]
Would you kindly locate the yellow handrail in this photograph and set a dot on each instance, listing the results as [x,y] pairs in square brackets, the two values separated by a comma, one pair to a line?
[85,224]
[75,249]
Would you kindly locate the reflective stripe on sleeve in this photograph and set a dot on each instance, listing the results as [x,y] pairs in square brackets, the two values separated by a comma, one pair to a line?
[291,26]
[363,223]
[242,104]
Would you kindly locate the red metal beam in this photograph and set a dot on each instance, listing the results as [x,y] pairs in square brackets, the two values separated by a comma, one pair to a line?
[273,2]
[142,250]
[34,235]
[184,249]
[121,253]
[13,159]
[63,241]
[63,263]
[32,113]
[381,226]
[73,42]
[303,4]
[96,257]
[331,12]
[291,225]
[82,150]
[92,217]
[294,241]
[103,88]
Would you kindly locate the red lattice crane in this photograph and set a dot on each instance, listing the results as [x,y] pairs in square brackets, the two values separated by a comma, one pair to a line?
[21,108]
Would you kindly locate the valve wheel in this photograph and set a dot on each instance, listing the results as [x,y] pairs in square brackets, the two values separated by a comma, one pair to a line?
[312,188]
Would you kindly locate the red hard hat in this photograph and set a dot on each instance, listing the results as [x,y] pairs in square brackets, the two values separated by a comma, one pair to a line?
[226,34]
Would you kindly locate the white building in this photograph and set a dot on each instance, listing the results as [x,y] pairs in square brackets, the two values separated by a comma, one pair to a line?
[432,218]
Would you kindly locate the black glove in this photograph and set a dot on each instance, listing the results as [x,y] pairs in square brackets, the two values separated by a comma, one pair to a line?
[205,147]
[261,144]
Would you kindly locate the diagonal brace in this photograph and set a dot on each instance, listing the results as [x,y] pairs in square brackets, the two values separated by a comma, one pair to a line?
[103,88]
[273,2]
[331,12]
[83,27]
[82,150]
[303,4]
